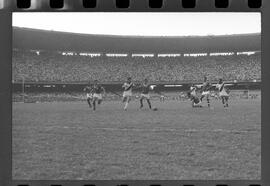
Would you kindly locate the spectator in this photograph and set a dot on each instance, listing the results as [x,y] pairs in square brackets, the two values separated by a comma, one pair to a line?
[56,67]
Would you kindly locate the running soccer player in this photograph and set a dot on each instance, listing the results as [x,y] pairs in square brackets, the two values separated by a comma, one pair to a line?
[206,90]
[223,93]
[145,93]
[89,94]
[127,92]
[98,91]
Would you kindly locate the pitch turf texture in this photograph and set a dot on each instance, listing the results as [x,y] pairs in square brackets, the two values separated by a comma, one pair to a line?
[67,140]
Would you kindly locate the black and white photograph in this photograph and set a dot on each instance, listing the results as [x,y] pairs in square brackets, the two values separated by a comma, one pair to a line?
[136,96]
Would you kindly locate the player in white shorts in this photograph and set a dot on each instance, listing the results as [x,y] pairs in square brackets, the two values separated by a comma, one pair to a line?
[223,93]
[145,94]
[98,91]
[206,90]
[127,92]
[89,94]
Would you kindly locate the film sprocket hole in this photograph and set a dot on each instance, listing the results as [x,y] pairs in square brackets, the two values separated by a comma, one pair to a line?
[23,4]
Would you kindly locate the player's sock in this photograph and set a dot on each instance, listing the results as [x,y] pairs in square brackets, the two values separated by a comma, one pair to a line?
[89,103]
[94,105]
[149,104]
[201,98]
[126,105]
[141,102]
[208,102]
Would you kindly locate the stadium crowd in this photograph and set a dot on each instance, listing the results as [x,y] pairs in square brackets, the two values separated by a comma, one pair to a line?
[54,67]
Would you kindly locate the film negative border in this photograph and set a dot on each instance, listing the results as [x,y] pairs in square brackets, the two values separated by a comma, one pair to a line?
[132,5]
[6,7]
[136,183]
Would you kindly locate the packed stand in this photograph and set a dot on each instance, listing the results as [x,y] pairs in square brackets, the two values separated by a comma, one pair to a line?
[54,67]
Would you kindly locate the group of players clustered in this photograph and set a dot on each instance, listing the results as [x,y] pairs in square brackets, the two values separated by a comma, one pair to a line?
[96,92]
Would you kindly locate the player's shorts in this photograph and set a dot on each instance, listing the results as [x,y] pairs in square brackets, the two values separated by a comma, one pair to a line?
[147,96]
[223,94]
[193,93]
[98,96]
[197,104]
[90,96]
[205,93]
[127,94]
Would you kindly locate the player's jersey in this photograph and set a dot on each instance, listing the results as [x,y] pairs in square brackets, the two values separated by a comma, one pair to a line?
[98,89]
[206,86]
[128,86]
[193,98]
[222,90]
[193,90]
[220,87]
[146,88]
[88,89]
[196,100]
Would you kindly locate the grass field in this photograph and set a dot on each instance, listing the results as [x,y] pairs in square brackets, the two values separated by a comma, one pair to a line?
[67,140]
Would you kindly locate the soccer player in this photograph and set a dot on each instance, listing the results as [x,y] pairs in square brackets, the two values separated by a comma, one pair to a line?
[193,90]
[146,87]
[195,100]
[89,94]
[223,93]
[162,98]
[128,85]
[206,90]
[98,91]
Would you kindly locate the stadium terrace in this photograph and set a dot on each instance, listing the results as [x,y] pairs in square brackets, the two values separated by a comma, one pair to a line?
[67,57]
[33,39]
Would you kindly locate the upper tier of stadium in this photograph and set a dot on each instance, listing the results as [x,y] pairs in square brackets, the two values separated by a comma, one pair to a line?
[34,39]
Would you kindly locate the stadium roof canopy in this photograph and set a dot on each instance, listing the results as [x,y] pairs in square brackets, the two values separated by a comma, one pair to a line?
[25,38]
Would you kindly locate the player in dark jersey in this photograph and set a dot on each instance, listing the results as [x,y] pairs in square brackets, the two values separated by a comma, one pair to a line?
[145,93]
[98,91]
[195,100]
[89,94]
[206,90]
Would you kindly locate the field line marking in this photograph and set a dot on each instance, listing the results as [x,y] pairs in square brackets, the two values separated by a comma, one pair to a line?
[176,130]
[152,130]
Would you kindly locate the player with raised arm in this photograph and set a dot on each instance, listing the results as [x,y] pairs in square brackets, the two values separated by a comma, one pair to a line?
[89,94]
[98,91]
[206,90]
[146,87]
[128,85]
[223,93]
